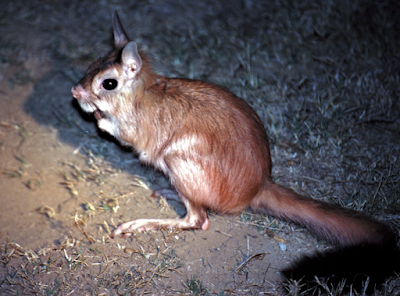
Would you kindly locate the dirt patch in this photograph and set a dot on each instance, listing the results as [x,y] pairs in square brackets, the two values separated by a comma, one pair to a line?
[330,106]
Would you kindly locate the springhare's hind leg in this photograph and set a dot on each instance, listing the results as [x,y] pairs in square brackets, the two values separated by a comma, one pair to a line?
[196,218]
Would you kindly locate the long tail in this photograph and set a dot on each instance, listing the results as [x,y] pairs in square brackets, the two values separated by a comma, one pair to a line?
[364,245]
[333,223]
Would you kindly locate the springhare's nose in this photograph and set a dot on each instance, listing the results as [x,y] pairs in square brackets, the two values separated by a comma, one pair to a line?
[77,91]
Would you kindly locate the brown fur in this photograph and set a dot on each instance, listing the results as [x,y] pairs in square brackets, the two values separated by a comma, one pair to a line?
[210,143]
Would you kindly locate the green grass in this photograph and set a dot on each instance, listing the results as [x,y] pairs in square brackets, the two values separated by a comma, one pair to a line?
[196,287]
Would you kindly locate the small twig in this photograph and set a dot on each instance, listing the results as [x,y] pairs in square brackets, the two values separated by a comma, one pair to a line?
[244,263]
[224,233]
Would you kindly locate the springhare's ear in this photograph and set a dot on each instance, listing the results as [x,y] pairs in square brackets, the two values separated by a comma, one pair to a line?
[120,37]
[131,60]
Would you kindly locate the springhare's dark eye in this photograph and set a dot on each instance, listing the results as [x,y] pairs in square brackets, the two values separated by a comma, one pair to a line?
[110,84]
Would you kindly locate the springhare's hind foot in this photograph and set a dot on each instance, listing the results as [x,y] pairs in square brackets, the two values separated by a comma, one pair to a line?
[141,225]
[196,218]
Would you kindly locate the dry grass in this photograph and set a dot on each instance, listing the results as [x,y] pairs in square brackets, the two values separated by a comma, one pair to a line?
[74,268]
[322,75]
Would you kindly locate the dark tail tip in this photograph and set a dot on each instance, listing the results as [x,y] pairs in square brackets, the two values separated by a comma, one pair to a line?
[356,265]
